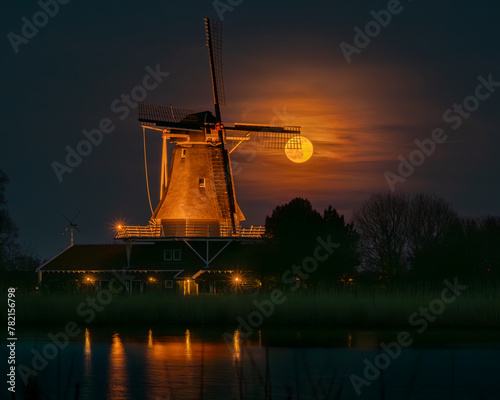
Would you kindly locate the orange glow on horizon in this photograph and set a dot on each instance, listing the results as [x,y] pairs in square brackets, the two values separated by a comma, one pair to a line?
[359,126]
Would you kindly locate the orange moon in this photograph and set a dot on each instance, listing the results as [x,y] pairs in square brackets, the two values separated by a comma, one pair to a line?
[299,155]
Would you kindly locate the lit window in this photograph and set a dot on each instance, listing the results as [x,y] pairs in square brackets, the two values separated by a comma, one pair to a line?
[183,153]
[177,255]
[167,255]
[202,182]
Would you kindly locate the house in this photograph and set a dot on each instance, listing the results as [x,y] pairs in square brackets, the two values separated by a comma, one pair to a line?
[166,267]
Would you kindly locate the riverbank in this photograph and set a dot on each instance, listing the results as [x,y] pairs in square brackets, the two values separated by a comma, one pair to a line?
[444,307]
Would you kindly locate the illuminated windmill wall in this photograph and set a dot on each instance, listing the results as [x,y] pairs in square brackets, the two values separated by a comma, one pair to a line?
[196,190]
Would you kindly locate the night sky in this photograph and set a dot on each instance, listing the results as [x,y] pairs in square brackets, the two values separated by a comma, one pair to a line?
[283,64]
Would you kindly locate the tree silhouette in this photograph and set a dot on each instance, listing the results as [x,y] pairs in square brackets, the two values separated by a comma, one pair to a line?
[430,221]
[345,258]
[8,230]
[490,246]
[292,232]
[400,231]
[383,224]
[13,256]
[294,221]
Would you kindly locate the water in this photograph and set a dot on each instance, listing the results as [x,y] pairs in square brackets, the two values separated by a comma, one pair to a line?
[179,363]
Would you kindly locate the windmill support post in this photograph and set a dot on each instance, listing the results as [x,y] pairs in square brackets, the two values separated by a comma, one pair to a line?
[240,142]
[207,260]
[164,165]
[128,247]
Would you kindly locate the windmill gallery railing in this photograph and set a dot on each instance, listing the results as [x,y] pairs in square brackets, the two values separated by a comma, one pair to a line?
[188,230]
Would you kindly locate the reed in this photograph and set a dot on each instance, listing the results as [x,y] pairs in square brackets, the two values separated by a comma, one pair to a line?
[478,306]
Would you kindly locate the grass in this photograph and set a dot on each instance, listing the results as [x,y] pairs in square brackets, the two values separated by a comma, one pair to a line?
[478,306]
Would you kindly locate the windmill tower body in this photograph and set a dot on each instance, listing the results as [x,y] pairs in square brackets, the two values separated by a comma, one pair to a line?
[196,193]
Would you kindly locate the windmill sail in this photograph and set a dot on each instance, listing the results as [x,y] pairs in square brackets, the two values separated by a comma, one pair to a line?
[214,43]
[167,116]
[264,136]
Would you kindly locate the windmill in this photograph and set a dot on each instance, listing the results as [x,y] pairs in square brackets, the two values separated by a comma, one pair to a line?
[197,196]
[71,226]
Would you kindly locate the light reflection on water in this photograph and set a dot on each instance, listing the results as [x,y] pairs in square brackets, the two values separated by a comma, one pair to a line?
[88,354]
[188,345]
[169,366]
[118,377]
[159,367]
[237,346]
[150,338]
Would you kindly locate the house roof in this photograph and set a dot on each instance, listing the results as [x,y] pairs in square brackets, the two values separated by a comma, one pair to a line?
[99,257]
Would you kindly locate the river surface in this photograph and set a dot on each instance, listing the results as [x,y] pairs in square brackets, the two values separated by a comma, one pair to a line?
[157,363]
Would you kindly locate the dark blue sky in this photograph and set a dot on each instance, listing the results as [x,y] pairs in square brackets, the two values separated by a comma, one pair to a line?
[282,64]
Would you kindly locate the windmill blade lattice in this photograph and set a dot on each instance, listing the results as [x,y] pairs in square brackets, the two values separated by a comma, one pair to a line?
[165,116]
[214,42]
[265,136]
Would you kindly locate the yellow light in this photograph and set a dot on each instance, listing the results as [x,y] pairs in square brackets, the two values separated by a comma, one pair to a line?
[117,225]
[151,279]
[188,280]
[237,279]
[88,279]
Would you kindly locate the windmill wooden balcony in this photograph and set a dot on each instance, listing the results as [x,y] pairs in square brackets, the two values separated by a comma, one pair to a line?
[190,231]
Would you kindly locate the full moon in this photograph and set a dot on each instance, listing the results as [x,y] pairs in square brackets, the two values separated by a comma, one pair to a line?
[299,155]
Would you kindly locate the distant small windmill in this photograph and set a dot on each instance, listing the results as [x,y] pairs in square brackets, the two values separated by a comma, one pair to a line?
[71,226]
